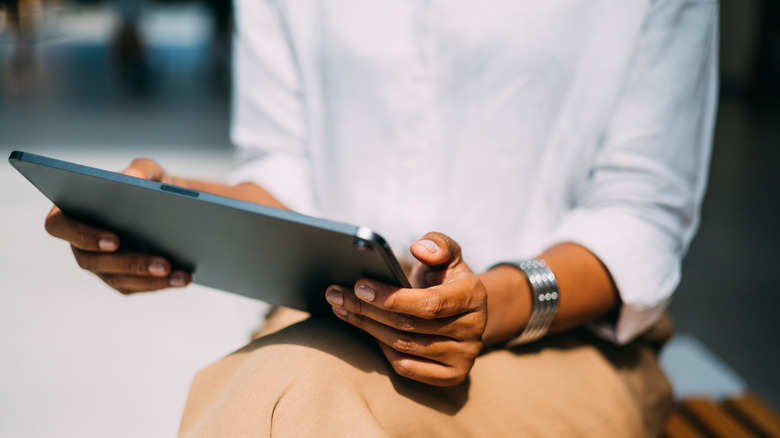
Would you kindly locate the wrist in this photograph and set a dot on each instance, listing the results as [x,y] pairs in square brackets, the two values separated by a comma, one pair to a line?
[509,303]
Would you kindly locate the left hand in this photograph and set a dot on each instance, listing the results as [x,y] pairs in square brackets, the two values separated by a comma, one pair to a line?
[99,251]
[431,333]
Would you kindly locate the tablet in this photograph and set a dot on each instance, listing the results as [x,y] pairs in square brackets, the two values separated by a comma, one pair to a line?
[273,255]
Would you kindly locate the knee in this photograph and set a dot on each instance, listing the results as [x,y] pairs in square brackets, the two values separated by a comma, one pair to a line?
[317,361]
[313,343]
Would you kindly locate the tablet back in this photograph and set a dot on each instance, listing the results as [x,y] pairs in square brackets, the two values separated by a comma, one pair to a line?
[273,255]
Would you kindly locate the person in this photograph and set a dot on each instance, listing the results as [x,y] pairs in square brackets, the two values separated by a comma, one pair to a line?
[560,150]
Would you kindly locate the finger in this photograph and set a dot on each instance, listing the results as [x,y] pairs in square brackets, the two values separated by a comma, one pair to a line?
[436,250]
[79,234]
[459,327]
[465,293]
[422,370]
[146,169]
[128,284]
[123,263]
[436,348]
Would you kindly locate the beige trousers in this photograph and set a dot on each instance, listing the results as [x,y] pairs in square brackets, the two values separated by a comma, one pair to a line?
[323,378]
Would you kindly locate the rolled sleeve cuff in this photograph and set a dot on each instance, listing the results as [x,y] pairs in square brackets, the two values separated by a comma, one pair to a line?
[641,259]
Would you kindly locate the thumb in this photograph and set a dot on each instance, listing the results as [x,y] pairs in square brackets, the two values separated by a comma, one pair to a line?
[436,250]
[146,169]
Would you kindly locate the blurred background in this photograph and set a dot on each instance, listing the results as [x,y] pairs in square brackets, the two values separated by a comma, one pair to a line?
[103,82]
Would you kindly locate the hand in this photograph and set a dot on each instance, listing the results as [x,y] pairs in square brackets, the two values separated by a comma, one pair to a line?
[431,333]
[99,250]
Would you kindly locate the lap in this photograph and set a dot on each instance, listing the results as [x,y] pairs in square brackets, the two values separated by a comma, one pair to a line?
[321,377]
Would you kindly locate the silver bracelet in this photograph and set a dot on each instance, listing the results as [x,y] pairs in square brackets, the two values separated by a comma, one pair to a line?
[544,291]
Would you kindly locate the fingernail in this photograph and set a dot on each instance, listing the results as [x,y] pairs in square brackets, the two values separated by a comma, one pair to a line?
[365,293]
[430,245]
[178,280]
[157,268]
[107,244]
[335,297]
[339,311]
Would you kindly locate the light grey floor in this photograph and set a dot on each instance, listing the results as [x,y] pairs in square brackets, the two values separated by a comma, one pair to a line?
[80,360]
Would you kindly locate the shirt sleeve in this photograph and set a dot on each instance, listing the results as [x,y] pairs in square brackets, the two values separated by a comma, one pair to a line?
[639,207]
[269,127]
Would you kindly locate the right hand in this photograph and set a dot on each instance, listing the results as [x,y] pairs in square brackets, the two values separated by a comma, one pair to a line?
[99,251]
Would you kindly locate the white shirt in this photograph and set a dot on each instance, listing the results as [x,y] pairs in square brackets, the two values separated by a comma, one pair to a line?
[509,125]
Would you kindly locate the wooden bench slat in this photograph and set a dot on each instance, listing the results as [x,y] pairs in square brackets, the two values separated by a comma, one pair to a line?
[713,419]
[677,426]
[757,415]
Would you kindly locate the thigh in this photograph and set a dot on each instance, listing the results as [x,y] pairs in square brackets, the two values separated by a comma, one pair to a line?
[571,384]
[321,377]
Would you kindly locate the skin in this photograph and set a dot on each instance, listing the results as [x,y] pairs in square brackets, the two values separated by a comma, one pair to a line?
[432,332]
